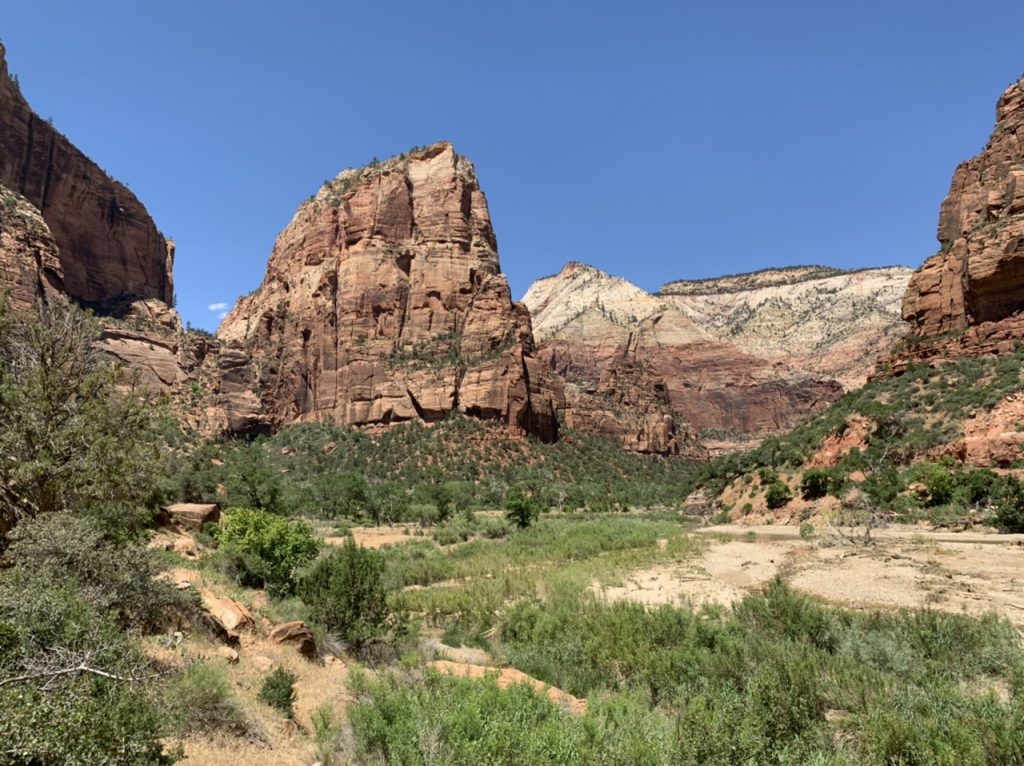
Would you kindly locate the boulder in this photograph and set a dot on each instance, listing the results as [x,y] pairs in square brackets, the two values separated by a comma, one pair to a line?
[296,634]
[226,613]
[191,516]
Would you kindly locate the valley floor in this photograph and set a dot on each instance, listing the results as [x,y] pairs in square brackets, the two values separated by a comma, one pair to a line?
[904,568]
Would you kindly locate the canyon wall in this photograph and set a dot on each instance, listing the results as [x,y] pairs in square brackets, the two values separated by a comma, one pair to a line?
[384,302]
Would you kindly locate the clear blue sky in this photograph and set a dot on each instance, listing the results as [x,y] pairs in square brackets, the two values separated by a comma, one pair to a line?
[656,140]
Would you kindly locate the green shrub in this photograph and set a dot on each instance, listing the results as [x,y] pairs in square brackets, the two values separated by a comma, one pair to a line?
[815,484]
[767,476]
[938,482]
[345,593]
[398,722]
[883,486]
[53,707]
[1009,505]
[493,529]
[278,691]
[976,485]
[82,443]
[520,508]
[266,550]
[84,723]
[722,517]
[201,700]
[453,531]
[253,482]
[115,578]
[777,495]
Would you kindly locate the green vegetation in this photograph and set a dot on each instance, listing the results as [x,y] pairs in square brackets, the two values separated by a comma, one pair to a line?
[78,461]
[69,439]
[777,495]
[345,594]
[520,508]
[201,701]
[278,691]
[415,473]
[264,550]
[781,680]
[905,418]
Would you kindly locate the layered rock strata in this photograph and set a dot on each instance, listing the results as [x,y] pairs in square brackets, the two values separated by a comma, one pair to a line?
[729,359]
[107,244]
[824,321]
[384,301]
[976,280]
[30,268]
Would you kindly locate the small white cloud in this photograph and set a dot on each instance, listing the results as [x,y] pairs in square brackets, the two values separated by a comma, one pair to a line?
[217,306]
[222,314]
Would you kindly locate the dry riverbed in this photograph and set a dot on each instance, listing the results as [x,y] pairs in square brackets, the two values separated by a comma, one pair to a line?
[904,568]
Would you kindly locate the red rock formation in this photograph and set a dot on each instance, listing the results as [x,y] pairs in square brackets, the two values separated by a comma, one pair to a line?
[383,302]
[107,244]
[30,269]
[977,277]
[640,370]
[211,384]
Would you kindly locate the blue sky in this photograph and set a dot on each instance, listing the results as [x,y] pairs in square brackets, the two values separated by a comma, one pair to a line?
[656,140]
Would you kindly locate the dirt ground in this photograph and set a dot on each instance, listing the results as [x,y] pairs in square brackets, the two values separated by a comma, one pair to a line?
[375,537]
[905,568]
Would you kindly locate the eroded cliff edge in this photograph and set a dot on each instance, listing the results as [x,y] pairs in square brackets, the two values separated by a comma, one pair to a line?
[384,302]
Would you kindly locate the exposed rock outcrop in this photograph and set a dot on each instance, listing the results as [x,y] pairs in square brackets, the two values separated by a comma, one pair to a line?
[30,269]
[107,244]
[608,337]
[976,280]
[821,320]
[384,302]
[212,385]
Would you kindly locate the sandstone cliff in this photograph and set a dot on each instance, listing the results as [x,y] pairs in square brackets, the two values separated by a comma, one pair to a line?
[30,268]
[384,301]
[108,245]
[977,277]
[67,230]
[594,328]
[826,321]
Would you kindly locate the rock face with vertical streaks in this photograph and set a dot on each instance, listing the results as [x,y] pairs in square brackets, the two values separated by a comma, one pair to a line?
[108,246]
[384,301]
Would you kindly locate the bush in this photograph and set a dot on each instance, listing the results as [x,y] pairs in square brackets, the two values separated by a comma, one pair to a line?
[1009,505]
[85,723]
[345,593]
[266,550]
[494,529]
[278,691]
[201,700]
[883,486]
[52,709]
[520,508]
[777,495]
[814,484]
[938,482]
[114,578]
[253,482]
[453,531]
